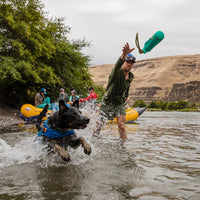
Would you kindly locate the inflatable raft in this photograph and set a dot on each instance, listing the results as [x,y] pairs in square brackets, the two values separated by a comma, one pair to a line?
[131,114]
[30,113]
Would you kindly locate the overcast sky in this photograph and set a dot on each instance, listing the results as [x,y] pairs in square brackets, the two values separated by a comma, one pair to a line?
[109,24]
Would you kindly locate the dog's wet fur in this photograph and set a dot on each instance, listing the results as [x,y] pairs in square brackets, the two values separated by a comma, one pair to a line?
[67,118]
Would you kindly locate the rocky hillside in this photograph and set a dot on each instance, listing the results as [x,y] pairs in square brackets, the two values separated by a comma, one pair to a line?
[170,78]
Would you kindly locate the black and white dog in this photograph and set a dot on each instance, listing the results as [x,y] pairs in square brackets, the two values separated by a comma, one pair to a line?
[58,131]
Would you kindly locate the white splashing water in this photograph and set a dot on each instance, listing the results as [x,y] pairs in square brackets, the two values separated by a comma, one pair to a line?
[93,114]
[26,151]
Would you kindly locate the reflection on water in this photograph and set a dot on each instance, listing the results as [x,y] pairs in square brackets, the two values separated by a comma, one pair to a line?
[160,160]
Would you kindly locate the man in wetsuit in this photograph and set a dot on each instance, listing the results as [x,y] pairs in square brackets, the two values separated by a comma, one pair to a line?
[117,90]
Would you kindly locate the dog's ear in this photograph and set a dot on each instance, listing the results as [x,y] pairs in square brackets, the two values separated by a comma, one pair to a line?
[62,105]
[76,103]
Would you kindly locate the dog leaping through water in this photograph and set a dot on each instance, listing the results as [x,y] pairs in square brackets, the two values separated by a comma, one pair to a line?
[58,130]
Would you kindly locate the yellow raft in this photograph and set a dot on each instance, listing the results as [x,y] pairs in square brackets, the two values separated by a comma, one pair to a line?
[131,114]
[30,112]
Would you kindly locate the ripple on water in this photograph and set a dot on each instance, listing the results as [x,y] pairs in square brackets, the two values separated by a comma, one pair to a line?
[160,160]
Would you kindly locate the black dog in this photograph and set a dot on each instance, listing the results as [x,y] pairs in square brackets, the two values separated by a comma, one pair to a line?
[58,129]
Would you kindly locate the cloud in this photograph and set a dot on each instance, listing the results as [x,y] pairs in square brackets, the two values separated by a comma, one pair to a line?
[108,24]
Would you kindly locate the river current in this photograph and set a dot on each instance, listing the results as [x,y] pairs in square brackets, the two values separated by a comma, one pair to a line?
[159,161]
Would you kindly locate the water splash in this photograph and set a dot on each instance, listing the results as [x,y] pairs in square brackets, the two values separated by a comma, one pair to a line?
[26,151]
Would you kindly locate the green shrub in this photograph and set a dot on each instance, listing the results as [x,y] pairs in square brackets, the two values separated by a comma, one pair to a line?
[182,104]
[139,103]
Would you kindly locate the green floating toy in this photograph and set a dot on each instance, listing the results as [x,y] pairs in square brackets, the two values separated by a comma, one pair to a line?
[150,43]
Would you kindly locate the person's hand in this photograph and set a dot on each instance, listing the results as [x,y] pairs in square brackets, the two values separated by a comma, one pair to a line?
[126,50]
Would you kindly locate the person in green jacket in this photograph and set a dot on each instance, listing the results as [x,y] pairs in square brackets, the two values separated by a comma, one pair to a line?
[114,100]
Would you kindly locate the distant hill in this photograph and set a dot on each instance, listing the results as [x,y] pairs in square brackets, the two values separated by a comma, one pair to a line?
[170,78]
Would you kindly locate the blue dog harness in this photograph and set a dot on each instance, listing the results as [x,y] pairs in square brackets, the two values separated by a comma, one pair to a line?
[46,131]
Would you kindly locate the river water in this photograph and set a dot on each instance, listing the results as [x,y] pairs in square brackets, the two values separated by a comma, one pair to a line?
[159,161]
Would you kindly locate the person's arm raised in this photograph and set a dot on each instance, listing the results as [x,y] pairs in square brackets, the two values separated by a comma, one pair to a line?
[125,51]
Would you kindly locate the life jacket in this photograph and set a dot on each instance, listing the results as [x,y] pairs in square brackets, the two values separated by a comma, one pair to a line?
[48,132]
[92,95]
[73,98]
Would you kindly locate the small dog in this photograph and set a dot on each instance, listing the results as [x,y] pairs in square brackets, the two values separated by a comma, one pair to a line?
[58,131]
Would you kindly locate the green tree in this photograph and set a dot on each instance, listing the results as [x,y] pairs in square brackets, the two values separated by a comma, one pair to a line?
[172,105]
[139,103]
[35,52]
[161,105]
[152,105]
[193,105]
[100,91]
[182,104]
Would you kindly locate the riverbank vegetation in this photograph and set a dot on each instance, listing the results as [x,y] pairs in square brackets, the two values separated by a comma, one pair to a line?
[167,106]
[36,52]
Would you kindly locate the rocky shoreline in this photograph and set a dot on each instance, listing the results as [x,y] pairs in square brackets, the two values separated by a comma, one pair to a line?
[9,120]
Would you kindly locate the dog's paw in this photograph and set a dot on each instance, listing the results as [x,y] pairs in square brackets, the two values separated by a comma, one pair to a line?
[64,155]
[87,148]
[66,159]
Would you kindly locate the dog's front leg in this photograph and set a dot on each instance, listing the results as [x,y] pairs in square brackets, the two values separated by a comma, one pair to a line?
[85,145]
[64,155]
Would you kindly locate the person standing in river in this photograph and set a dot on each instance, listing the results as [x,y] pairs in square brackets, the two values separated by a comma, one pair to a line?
[114,100]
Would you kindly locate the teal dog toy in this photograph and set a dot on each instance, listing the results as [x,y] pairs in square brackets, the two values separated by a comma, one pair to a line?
[150,43]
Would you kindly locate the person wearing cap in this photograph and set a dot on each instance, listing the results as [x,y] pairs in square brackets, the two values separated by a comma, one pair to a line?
[64,96]
[73,97]
[114,100]
[91,97]
[40,99]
